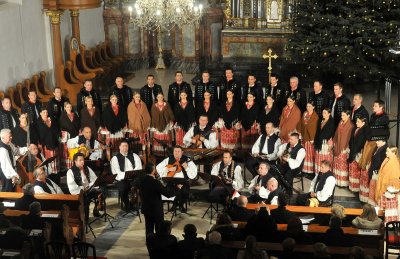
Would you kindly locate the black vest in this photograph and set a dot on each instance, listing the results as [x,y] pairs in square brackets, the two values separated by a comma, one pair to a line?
[77,174]
[205,133]
[44,185]
[321,179]
[271,142]
[230,170]
[262,181]
[271,196]
[121,161]
[82,140]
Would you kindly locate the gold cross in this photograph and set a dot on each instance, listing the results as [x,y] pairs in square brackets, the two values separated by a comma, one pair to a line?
[269,57]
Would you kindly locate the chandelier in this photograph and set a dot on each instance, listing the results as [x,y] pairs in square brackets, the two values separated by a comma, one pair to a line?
[164,15]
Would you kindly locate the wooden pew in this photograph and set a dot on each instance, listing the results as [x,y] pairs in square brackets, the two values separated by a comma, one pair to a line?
[307,249]
[56,202]
[78,71]
[15,98]
[301,210]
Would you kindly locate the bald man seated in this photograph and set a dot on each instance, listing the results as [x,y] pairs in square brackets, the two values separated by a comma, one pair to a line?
[86,140]
[44,185]
[239,212]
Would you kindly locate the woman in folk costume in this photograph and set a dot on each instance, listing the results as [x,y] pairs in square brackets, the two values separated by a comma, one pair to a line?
[48,137]
[269,113]
[307,127]
[162,119]
[90,116]
[369,177]
[323,143]
[114,120]
[341,149]
[20,132]
[357,142]
[185,116]
[248,120]
[290,117]
[228,121]
[70,126]
[138,118]
[389,174]
[209,108]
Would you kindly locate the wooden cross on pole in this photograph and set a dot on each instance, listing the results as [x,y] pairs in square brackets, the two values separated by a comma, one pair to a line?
[269,57]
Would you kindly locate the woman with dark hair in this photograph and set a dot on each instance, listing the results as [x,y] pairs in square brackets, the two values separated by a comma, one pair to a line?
[185,117]
[70,126]
[20,132]
[228,120]
[290,117]
[224,226]
[90,116]
[295,230]
[323,143]
[341,149]
[252,251]
[138,118]
[269,113]
[48,137]
[248,121]
[114,120]
[209,108]
[307,127]
[356,144]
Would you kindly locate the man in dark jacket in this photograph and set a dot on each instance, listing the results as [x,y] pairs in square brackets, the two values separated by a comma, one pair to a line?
[26,200]
[175,89]
[319,98]
[338,103]
[162,245]
[203,85]
[281,215]
[239,212]
[56,104]
[215,250]
[86,91]
[123,92]
[9,117]
[148,93]
[150,193]
[297,92]
[252,87]
[275,91]
[358,110]
[32,107]
[191,243]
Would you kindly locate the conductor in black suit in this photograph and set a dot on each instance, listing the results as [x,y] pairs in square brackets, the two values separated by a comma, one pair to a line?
[150,193]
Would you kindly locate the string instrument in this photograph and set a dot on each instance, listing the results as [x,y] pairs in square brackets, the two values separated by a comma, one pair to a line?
[84,150]
[178,168]
[197,137]
[25,176]
[285,154]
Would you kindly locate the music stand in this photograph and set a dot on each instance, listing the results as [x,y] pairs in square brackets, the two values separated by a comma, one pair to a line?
[212,209]
[103,180]
[130,176]
[46,162]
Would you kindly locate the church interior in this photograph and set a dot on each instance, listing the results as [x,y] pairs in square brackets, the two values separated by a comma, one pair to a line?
[289,106]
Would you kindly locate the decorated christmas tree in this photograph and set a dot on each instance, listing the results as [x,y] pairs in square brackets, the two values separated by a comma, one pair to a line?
[350,38]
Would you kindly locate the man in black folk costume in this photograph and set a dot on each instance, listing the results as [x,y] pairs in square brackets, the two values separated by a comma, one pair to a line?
[358,110]
[229,83]
[203,85]
[338,103]
[148,93]
[252,87]
[258,187]
[297,92]
[276,91]
[174,90]
[320,98]
[9,117]
[56,104]
[86,91]
[123,92]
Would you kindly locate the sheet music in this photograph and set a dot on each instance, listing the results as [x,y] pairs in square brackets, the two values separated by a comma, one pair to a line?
[9,204]
[367,232]
[48,215]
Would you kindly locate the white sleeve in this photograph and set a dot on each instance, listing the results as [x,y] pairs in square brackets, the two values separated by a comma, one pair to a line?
[326,192]
[39,190]
[92,176]
[187,139]
[237,182]
[116,170]
[274,200]
[263,192]
[57,187]
[281,149]
[274,155]
[73,142]
[295,163]
[96,155]
[256,147]
[6,165]
[212,141]
[138,162]
[72,186]
[215,168]
[253,184]
[191,170]
[312,184]
[162,168]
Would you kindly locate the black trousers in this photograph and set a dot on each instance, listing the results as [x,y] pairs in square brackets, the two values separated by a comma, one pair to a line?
[220,194]
[255,198]
[181,195]
[91,196]
[252,164]
[302,199]
[289,175]
[152,223]
[124,188]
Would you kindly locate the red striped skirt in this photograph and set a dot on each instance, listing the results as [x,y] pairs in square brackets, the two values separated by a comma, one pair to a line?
[391,207]
[364,185]
[158,149]
[372,188]
[309,159]
[229,138]
[143,136]
[354,177]
[341,169]
[249,137]
[179,134]
[53,167]
[66,163]
[324,154]
[111,140]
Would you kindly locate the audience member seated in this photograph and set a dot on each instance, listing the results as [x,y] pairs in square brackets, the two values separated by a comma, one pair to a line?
[335,236]
[43,185]
[336,210]
[14,236]
[33,220]
[262,226]
[357,252]
[368,219]
[24,202]
[295,230]
[162,244]
[239,212]
[251,250]
[190,242]
[288,246]
[320,251]
[281,215]
[225,227]
[214,250]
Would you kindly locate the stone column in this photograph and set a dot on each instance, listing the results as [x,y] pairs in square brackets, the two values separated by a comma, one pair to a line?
[75,24]
[56,39]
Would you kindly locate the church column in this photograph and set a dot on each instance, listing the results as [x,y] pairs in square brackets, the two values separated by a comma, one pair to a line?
[75,24]
[56,39]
